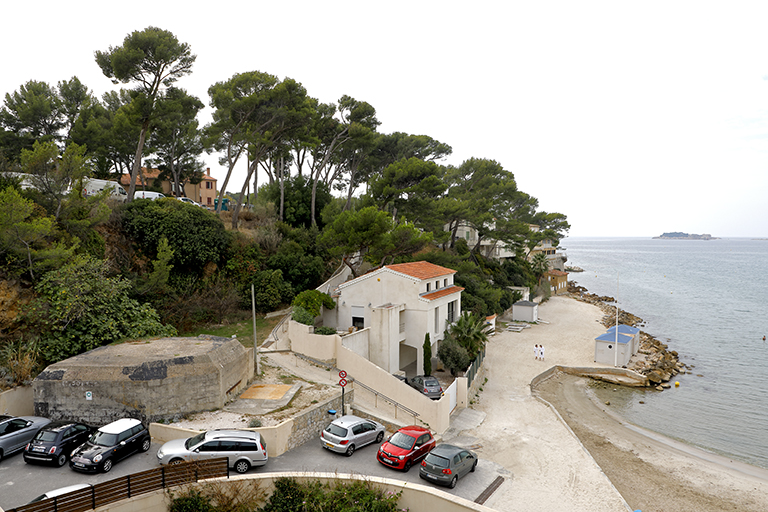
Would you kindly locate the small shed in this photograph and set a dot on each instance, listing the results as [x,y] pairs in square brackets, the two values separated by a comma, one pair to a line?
[525,311]
[606,347]
[631,331]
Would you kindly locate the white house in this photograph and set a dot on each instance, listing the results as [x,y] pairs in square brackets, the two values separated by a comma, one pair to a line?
[630,331]
[606,348]
[398,304]
[525,311]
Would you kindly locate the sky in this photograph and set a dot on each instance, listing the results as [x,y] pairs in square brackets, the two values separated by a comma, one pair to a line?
[631,118]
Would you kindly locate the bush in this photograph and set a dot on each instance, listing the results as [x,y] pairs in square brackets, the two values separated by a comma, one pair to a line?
[453,356]
[302,316]
[291,496]
[80,308]
[195,235]
[312,300]
[325,330]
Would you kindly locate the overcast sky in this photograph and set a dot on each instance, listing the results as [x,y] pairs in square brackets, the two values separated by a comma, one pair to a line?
[630,118]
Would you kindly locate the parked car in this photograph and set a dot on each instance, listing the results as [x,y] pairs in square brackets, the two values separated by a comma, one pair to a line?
[427,385]
[59,492]
[446,464]
[54,442]
[189,201]
[15,432]
[147,194]
[109,444]
[244,448]
[348,433]
[406,447]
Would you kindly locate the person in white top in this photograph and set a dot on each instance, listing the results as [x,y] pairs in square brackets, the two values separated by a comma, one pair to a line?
[541,352]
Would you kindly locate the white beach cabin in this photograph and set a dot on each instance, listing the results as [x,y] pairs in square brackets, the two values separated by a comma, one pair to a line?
[605,349]
[631,331]
[525,311]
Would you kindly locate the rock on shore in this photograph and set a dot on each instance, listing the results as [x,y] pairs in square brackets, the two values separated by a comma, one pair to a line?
[653,359]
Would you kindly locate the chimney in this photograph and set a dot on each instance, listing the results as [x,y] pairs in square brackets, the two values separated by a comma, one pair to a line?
[208,171]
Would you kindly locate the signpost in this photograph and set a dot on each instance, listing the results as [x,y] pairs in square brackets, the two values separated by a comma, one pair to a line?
[342,383]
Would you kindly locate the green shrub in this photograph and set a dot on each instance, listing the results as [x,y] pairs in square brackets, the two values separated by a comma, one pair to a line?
[191,500]
[453,356]
[291,496]
[302,316]
[312,300]
[427,355]
[325,330]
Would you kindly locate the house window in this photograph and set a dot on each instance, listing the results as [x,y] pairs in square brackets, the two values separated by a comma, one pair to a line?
[437,319]
[445,282]
[358,318]
[451,312]
[437,285]
[208,185]
[429,285]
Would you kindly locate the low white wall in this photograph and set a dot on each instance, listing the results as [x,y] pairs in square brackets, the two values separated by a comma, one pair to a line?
[305,341]
[18,401]
[416,497]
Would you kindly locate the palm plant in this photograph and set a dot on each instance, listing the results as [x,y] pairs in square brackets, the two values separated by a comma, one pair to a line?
[470,331]
[540,265]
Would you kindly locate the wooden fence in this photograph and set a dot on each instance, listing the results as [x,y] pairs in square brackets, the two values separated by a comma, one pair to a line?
[131,485]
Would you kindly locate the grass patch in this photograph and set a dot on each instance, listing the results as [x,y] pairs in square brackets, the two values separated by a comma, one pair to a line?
[242,327]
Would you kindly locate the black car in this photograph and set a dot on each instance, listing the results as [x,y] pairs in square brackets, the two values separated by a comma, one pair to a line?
[110,444]
[55,441]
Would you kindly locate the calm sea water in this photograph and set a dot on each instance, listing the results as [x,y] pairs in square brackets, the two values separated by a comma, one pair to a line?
[708,300]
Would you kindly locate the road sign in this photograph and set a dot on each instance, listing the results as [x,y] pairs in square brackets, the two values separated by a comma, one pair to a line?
[342,374]
[343,382]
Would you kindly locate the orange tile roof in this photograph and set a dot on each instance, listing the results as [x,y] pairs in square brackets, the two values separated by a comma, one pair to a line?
[150,174]
[557,273]
[442,292]
[421,269]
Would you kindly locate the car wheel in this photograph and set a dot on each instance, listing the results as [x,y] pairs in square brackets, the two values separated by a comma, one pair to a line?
[407,466]
[106,466]
[146,444]
[61,460]
[474,466]
[350,450]
[242,466]
[380,437]
[453,481]
[175,462]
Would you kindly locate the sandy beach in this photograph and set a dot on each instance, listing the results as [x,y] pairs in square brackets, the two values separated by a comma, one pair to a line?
[553,470]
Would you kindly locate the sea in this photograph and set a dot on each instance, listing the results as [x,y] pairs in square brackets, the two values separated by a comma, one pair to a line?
[707,300]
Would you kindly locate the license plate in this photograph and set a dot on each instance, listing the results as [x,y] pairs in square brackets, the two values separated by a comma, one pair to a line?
[38,449]
[79,464]
[388,461]
[329,445]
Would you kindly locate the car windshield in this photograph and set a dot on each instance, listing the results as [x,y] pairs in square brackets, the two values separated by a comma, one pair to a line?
[403,441]
[431,382]
[336,430]
[104,439]
[194,441]
[437,460]
[45,436]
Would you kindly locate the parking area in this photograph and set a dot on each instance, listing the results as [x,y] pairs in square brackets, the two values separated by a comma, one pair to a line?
[20,482]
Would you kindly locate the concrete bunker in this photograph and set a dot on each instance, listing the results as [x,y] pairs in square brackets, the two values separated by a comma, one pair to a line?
[154,380]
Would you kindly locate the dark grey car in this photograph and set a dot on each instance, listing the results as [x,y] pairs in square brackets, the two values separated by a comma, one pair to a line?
[446,463]
[15,433]
[427,385]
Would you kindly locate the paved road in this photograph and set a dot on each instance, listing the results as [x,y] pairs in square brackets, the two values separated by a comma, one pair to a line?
[20,482]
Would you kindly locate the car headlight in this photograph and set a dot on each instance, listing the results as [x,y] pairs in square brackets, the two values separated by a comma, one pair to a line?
[401,457]
[97,458]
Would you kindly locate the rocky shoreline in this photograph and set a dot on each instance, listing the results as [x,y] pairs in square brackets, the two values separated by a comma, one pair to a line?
[653,359]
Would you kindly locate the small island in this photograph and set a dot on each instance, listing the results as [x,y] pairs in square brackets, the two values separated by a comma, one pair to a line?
[676,235]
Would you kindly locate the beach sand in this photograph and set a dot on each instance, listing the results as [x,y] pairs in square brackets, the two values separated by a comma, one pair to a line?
[597,462]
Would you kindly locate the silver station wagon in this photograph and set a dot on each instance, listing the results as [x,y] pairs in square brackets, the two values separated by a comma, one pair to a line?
[348,433]
[243,448]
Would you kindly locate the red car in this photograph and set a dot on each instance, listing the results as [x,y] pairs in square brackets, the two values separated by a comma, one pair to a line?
[406,448]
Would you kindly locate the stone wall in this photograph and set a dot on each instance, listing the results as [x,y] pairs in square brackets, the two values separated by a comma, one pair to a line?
[308,424]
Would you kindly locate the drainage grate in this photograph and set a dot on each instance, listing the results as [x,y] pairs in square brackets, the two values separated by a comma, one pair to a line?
[489,490]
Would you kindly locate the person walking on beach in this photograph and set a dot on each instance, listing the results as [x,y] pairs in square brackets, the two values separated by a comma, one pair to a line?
[541,352]
[536,352]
